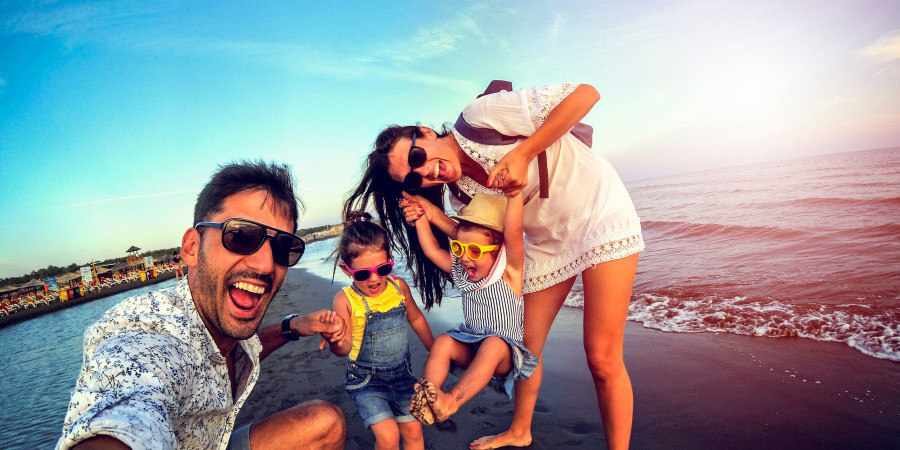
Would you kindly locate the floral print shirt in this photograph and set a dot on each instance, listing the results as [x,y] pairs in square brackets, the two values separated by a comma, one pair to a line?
[153,378]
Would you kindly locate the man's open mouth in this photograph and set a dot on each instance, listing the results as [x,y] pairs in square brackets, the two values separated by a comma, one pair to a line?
[245,295]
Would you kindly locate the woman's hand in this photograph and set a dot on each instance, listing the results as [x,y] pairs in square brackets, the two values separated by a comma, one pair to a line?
[510,174]
[414,207]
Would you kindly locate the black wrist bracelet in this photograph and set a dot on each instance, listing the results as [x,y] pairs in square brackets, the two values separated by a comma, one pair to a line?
[286,330]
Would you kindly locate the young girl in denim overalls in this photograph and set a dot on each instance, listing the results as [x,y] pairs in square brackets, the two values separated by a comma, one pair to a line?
[377,307]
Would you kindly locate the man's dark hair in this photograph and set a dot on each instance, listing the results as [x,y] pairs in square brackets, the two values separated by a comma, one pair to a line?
[242,176]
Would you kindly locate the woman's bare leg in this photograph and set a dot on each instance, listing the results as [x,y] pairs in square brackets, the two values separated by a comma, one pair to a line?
[607,293]
[541,309]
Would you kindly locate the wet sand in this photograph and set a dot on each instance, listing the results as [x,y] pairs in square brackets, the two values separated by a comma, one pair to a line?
[702,390]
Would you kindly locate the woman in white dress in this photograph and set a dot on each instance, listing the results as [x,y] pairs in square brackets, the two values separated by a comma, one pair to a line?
[587,225]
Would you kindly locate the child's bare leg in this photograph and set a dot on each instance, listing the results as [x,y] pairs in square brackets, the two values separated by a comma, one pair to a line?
[541,309]
[493,357]
[411,434]
[387,435]
[444,351]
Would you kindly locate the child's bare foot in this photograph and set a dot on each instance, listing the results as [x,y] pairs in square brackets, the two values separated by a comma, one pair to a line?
[420,405]
[505,439]
[444,406]
[443,403]
[427,388]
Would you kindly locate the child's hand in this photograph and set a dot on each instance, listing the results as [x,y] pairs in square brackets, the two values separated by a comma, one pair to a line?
[337,335]
[412,207]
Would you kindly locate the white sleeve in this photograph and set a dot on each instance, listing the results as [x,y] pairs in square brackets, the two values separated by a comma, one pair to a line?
[516,113]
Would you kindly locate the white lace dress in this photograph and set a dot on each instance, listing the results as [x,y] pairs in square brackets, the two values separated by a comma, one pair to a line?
[589,217]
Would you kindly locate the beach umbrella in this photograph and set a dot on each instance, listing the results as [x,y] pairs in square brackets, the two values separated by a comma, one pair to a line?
[31,286]
[65,278]
[120,266]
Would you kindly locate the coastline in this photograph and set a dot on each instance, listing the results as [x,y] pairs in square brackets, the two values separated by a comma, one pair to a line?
[691,390]
[30,313]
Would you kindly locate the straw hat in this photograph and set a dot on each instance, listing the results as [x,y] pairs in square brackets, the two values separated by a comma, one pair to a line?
[485,210]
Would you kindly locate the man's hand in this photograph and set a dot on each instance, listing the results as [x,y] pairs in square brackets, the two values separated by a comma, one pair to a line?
[332,336]
[324,321]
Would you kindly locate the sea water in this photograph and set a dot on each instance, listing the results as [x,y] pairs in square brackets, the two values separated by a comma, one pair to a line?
[807,247]
[39,363]
[804,248]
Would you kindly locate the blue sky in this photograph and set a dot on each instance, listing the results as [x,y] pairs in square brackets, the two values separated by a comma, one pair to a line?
[114,114]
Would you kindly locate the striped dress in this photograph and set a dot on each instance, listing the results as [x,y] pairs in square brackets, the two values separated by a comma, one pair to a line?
[495,307]
[493,310]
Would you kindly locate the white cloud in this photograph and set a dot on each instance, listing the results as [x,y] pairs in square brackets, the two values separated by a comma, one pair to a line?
[75,20]
[131,197]
[442,38]
[99,24]
[559,24]
[434,42]
[885,49]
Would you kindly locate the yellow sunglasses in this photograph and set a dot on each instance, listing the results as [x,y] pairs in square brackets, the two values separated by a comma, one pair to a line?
[472,249]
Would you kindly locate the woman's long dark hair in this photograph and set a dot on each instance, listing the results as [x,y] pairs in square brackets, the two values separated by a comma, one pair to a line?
[385,194]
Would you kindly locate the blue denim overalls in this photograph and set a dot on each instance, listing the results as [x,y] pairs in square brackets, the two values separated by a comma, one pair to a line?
[380,379]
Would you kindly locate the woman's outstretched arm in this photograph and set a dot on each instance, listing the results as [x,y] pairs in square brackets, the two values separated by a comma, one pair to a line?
[561,119]
[514,241]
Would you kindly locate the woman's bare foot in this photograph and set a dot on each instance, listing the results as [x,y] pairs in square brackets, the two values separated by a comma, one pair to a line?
[505,439]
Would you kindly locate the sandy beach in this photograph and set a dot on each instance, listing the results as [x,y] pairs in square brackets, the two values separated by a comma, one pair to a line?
[692,390]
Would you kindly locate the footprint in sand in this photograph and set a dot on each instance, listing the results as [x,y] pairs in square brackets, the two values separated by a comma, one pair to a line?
[448,426]
[585,428]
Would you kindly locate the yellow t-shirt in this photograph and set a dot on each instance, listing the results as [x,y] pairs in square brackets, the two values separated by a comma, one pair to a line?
[389,299]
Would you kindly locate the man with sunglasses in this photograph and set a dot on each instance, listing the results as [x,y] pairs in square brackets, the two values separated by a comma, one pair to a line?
[172,368]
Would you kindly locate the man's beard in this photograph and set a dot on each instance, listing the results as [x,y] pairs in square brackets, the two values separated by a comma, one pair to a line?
[209,281]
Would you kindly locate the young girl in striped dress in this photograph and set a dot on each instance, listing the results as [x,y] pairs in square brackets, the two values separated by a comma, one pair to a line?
[486,260]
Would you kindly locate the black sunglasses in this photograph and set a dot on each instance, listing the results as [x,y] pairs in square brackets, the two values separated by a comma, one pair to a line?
[245,237]
[417,157]
[382,270]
